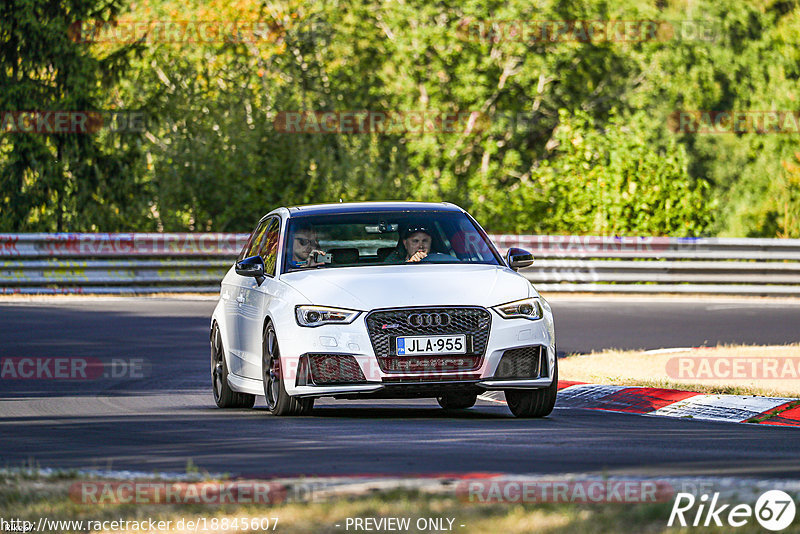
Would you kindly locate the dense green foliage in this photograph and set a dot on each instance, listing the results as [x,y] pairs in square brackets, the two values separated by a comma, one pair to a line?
[63,181]
[572,137]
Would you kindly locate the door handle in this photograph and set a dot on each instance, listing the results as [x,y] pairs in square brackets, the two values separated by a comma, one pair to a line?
[240,299]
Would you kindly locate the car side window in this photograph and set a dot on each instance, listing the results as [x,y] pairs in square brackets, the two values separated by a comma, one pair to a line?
[254,243]
[246,247]
[269,246]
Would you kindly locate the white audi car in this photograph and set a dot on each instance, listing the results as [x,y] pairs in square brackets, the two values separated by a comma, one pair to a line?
[380,300]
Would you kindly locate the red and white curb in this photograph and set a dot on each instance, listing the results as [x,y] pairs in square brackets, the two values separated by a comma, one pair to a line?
[674,403]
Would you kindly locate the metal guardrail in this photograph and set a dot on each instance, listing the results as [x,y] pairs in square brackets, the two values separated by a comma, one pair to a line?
[153,263]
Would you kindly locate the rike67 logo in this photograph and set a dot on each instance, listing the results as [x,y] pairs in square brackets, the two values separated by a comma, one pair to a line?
[774,510]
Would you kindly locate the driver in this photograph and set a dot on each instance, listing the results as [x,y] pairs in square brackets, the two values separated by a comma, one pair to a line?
[415,245]
[305,247]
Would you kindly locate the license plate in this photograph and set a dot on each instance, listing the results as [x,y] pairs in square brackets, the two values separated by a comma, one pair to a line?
[431,345]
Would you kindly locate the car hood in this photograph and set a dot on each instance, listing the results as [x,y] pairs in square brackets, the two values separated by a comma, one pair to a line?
[390,286]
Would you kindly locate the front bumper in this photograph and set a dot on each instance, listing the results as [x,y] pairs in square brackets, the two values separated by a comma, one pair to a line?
[353,341]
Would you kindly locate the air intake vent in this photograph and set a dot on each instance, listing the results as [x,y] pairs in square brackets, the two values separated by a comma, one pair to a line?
[327,369]
[524,362]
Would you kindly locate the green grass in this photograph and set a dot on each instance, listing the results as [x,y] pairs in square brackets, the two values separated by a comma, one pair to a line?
[30,498]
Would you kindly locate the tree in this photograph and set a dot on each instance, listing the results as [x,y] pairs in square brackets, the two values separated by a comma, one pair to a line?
[58,181]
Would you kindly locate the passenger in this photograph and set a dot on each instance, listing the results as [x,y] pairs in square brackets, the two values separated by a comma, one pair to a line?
[305,247]
[414,245]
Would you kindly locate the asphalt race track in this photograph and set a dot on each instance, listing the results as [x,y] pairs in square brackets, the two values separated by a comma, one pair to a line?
[164,416]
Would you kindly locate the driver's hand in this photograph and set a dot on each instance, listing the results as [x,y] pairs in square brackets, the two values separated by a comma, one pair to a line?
[418,255]
[312,258]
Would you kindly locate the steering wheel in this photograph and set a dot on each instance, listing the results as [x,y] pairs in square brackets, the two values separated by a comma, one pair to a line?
[437,257]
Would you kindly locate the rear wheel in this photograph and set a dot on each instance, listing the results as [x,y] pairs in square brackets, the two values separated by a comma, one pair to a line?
[224,396]
[533,402]
[278,401]
[457,401]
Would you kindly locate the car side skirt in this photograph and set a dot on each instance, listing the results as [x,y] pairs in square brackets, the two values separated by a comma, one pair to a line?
[246,385]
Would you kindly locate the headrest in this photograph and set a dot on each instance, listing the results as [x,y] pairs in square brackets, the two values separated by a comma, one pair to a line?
[383,253]
[344,255]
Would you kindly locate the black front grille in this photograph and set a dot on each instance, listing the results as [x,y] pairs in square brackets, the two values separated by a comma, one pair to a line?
[385,325]
[335,369]
[524,362]
[413,364]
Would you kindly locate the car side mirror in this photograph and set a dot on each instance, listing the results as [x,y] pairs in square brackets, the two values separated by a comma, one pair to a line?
[253,267]
[518,258]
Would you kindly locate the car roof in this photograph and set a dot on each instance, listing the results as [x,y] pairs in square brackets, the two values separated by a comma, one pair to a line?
[366,207]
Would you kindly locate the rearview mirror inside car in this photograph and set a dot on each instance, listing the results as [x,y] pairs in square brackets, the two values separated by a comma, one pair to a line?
[382,228]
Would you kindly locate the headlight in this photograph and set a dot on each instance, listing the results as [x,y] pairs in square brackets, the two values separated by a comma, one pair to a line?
[521,309]
[320,315]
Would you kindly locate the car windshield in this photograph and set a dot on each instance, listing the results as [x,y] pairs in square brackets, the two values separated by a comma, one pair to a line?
[382,238]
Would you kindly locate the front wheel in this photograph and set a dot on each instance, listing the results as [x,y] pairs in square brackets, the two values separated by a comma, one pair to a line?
[278,401]
[533,402]
[224,396]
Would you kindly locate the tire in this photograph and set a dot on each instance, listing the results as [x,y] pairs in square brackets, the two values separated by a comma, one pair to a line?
[457,401]
[224,396]
[534,402]
[278,401]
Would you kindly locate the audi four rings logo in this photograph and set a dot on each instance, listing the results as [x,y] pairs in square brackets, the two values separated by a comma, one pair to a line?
[428,319]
